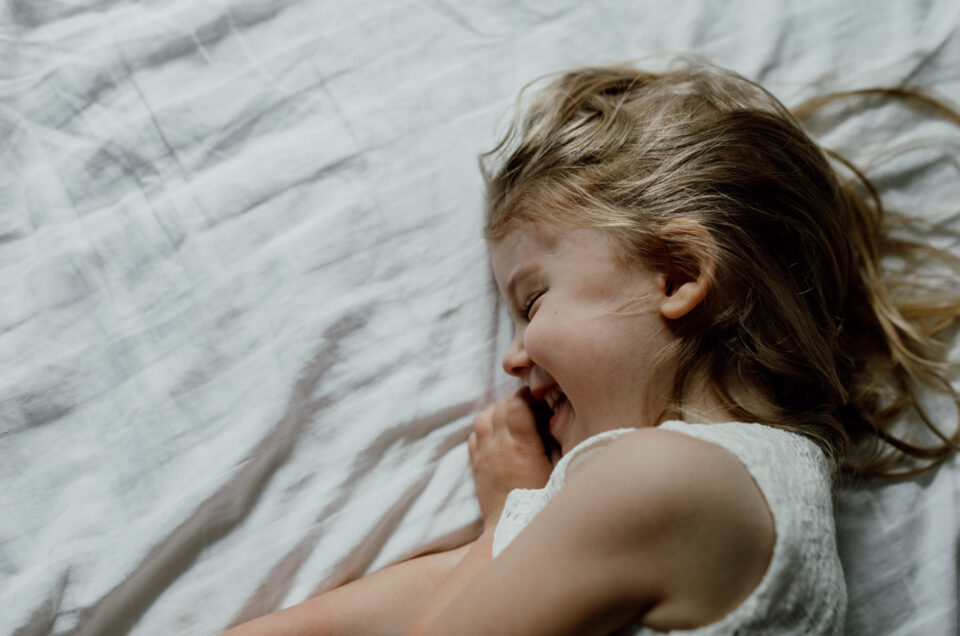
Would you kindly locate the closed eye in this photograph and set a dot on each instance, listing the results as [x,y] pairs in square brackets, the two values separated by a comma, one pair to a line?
[530,305]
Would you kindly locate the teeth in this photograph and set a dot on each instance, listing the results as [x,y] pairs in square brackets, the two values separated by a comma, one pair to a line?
[554,398]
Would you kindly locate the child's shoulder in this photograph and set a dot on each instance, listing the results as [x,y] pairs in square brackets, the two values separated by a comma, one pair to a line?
[674,475]
[662,463]
[693,515]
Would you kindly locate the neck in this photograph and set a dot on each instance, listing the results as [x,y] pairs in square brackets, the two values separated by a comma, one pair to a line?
[702,402]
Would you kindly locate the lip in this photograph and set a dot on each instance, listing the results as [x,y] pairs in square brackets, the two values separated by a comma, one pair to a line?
[555,418]
[541,391]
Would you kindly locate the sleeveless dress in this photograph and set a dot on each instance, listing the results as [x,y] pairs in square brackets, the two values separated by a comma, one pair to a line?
[803,589]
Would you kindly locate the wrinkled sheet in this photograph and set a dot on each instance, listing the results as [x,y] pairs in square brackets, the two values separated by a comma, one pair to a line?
[245,311]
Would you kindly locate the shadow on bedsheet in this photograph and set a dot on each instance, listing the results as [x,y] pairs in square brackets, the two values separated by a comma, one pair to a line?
[120,609]
[274,587]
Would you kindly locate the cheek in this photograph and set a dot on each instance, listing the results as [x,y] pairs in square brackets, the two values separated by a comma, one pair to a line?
[558,345]
[542,340]
[537,341]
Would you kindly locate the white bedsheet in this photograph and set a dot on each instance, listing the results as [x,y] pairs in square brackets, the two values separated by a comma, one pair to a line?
[245,313]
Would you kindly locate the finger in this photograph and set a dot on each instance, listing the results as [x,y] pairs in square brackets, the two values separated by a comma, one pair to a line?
[472,444]
[524,394]
[518,416]
[483,423]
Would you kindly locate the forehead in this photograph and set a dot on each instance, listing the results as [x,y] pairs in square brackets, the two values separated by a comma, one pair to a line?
[532,245]
[522,245]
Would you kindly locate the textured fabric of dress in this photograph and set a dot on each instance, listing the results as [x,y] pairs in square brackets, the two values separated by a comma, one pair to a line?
[803,589]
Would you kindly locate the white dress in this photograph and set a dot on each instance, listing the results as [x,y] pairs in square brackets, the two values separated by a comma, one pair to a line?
[803,590]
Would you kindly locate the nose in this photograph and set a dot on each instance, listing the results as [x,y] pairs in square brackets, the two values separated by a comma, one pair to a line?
[516,362]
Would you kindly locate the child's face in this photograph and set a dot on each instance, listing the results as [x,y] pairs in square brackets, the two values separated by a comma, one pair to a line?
[588,328]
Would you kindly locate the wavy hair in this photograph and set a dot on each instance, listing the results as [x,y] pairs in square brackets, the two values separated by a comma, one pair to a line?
[801,309]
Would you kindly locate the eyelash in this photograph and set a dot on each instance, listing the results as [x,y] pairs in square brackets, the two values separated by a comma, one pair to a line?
[528,306]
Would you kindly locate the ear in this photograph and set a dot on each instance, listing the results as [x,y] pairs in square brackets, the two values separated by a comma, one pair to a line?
[692,265]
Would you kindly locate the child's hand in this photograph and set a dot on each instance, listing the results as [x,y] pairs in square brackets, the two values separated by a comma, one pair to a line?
[506,453]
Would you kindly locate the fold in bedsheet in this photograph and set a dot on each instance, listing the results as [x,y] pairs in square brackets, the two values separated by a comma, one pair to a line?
[245,311]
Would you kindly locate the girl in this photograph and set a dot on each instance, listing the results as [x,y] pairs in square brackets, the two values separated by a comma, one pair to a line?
[706,340]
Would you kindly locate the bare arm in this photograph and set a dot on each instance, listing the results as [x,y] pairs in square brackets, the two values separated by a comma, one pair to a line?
[506,452]
[379,604]
[385,602]
[657,527]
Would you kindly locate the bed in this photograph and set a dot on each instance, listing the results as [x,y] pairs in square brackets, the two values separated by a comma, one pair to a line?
[245,311]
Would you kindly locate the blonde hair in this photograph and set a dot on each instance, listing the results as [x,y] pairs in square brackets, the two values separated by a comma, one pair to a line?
[801,308]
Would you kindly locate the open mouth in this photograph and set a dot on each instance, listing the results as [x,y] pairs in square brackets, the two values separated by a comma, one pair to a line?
[555,399]
[543,411]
